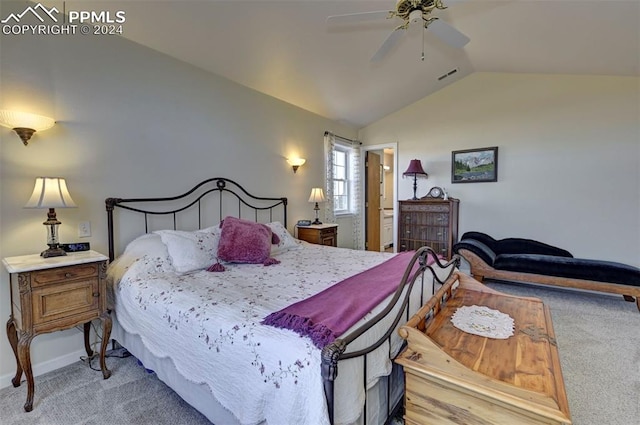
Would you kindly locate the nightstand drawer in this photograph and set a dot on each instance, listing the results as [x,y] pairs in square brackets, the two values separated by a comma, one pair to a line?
[63,274]
[74,302]
[329,232]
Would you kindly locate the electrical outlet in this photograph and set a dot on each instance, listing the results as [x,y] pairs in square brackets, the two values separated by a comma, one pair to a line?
[84,229]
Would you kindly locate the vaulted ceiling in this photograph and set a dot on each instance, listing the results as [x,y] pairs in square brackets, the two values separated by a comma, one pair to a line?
[287,50]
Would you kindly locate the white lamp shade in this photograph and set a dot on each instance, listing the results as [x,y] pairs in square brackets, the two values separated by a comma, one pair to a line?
[13,119]
[296,162]
[50,192]
[316,195]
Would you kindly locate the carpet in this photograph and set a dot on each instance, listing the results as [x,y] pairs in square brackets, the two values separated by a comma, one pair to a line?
[77,395]
[598,339]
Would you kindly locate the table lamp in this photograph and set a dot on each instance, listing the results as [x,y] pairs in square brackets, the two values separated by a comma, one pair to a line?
[415,169]
[52,193]
[316,196]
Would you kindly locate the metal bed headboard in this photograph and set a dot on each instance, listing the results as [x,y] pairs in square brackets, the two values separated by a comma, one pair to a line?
[194,199]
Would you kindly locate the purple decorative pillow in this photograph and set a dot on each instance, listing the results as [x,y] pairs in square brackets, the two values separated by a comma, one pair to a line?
[243,241]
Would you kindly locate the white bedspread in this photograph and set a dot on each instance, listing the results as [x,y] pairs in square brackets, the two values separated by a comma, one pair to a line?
[208,324]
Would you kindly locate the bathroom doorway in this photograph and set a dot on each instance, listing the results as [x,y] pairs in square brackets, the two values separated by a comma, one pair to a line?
[383,181]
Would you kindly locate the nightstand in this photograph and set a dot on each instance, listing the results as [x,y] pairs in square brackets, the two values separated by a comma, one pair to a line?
[52,294]
[321,234]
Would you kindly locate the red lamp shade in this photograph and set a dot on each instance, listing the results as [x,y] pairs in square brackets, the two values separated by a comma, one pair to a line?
[415,168]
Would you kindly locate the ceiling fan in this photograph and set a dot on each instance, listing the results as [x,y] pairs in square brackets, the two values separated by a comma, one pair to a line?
[412,12]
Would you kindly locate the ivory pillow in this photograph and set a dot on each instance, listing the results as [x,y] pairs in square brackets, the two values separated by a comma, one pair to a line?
[191,251]
[287,242]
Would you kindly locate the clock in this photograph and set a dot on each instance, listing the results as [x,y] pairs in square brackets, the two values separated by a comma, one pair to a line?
[435,192]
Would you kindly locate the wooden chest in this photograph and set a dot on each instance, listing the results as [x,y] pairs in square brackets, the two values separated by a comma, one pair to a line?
[453,377]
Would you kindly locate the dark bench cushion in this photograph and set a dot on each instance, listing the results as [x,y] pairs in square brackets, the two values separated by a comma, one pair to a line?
[514,245]
[528,246]
[576,268]
[481,250]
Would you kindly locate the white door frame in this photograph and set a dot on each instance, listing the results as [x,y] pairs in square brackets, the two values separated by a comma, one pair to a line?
[363,215]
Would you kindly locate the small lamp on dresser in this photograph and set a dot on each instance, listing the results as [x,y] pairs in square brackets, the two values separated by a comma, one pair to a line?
[51,193]
[415,169]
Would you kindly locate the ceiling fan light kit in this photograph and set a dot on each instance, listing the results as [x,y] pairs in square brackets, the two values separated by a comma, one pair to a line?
[412,12]
[415,16]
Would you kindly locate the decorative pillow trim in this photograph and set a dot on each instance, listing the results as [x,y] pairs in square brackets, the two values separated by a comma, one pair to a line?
[217,267]
[270,261]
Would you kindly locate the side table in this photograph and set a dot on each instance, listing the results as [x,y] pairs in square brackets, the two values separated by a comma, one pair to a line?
[320,234]
[52,294]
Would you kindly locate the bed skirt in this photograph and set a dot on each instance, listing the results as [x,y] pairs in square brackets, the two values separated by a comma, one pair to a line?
[200,397]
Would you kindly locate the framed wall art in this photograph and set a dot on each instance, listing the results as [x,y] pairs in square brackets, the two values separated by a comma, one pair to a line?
[474,165]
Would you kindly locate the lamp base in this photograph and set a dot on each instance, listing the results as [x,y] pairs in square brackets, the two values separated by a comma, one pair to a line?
[316,209]
[53,251]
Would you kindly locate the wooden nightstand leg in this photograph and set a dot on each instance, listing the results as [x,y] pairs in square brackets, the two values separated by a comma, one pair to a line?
[24,344]
[106,334]
[87,335]
[12,334]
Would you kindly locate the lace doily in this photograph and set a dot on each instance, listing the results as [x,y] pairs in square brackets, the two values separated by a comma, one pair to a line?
[483,321]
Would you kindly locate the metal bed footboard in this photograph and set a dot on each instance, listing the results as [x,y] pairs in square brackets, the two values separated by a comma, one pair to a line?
[333,353]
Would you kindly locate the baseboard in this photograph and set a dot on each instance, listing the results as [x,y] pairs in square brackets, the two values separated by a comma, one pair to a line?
[46,366]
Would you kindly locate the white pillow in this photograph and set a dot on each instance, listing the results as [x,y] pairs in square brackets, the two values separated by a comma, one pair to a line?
[191,251]
[147,246]
[287,242]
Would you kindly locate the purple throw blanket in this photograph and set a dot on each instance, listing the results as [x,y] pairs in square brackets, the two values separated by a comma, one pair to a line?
[328,314]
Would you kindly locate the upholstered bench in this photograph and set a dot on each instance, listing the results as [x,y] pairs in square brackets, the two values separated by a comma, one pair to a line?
[525,260]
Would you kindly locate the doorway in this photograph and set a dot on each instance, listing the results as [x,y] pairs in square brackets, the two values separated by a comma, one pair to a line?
[379,215]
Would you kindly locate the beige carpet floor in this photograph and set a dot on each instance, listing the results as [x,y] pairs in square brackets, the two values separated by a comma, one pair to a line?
[598,338]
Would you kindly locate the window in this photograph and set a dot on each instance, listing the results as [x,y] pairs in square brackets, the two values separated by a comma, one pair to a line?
[341,183]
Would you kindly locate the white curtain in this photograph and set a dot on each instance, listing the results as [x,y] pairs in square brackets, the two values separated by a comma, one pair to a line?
[329,144]
[355,186]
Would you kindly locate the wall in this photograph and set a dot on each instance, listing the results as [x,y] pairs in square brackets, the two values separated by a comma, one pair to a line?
[569,157]
[133,122]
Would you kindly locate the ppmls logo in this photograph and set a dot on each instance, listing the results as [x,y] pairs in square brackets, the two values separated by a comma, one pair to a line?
[85,22]
[32,10]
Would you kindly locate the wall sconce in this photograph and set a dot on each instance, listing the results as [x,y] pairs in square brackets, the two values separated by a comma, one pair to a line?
[25,124]
[52,193]
[316,196]
[295,163]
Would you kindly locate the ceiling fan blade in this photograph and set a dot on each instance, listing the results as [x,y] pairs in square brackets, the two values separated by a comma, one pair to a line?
[358,17]
[388,44]
[448,34]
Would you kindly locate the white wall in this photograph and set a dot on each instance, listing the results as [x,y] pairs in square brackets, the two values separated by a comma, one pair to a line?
[133,122]
[569,157]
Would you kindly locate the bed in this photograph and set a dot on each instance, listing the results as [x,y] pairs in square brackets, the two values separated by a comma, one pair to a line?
[197,321]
